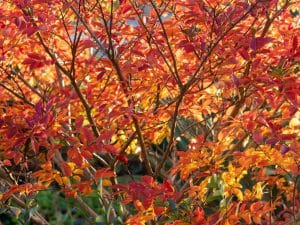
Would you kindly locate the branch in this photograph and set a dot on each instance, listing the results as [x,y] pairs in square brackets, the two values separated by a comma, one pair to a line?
[25,100]
[168,44]
[122,80]
[154,41]
[124,147]
[34,90]
[135,120]
[193,78]
[88,29]
[73,82]
[170,145]
[36,217]
[189,84]
[59,160]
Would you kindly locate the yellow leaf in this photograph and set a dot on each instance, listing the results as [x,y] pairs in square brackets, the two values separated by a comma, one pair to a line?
[258,189]
[248,195]
[257,219]
[77,178]
[106,182]
[142,217]
[132,147]
[78,171]
[227,222]
[161,134]
[238,193]
[47,183]
[71,165]
[61,180]
[65,180]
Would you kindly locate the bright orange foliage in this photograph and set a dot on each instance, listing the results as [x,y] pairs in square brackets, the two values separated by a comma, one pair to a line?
[202,97]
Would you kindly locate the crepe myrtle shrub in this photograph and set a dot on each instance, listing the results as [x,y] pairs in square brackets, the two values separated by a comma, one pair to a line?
[150,112]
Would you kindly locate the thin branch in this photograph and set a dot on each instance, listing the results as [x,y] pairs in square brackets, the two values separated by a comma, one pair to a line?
[89,29]
[294,198]
[34,90]
[213,46]
[59,161]
[123,82]
[168,44]
[154,41]
[36,217]
[135,120]
[171,141]
[25,100]
[124,147]
[73,81]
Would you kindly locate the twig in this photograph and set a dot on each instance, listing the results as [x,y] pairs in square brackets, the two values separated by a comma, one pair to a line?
[170,145]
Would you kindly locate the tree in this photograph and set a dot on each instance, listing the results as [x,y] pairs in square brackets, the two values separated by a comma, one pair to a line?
[168,112]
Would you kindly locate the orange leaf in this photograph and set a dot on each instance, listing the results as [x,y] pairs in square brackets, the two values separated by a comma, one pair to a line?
[104,173]
[67,169]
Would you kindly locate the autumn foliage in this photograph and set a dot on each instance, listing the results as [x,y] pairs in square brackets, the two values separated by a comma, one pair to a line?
[169,112]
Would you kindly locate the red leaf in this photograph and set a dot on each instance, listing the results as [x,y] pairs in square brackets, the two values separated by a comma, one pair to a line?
[143,67]
[74,156]
[295,43]
[105,136]
[35,146]
[257,136]
[122,158]
[126,8]
[50,155]
[67,169]
[255,207]
[297,54]
[272,141]
[35,60]
[84,187]
[36,56]
[6,162]
[259,42]
[189,48]
[78,160]
[147,179]
[292,110]
[87,43]
[66,6]
[159,210]
[20,23]
[288,136]
[167,186]
[86,135]
[139,53]
[198,216]
[110,148]
[12,130]
[101,74]
[244,53]
[30,30]
[86,154]
[284,149]
[39,108]
[235,80]
[79,122]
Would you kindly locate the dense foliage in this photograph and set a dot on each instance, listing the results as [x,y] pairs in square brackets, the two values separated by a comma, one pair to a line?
[157,112]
